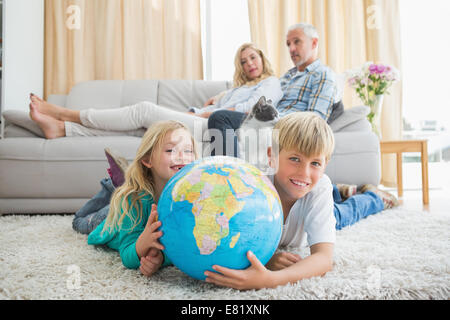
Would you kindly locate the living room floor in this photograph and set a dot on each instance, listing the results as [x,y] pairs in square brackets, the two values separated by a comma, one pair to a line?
[439,187]
[412,200]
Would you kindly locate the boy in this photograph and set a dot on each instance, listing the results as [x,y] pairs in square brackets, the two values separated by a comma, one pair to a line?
[306,143]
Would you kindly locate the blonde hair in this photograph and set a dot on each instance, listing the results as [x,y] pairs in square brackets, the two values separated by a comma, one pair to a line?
[240,78]
[138,178]
[304,132]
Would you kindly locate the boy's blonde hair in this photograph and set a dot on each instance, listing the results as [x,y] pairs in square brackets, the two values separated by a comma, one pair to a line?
[138,178]
[240,78]
[304,132]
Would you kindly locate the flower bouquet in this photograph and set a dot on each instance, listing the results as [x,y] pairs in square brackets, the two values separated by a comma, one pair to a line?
[371,82]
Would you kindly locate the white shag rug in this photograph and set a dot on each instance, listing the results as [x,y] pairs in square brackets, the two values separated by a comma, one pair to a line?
[396,254]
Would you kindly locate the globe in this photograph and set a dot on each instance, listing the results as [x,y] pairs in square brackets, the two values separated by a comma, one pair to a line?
[216,209]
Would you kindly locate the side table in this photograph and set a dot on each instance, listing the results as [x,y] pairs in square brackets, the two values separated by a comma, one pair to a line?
[400,146]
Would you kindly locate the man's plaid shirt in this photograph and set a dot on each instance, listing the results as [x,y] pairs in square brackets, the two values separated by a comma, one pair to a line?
[311,90]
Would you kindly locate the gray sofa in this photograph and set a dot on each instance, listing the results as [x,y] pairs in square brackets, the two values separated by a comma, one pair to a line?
[60,175]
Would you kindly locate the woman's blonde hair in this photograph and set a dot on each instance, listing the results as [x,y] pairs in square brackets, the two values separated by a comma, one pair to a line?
[304,132]
[240,78]
[138,178]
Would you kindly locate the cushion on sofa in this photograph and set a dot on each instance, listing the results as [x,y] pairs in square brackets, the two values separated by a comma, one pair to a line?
[22,119]
[69,167]
[349,116]
[182,94]
[336,111]
[106,94]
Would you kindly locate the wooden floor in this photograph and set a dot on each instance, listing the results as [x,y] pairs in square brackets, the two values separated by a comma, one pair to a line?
[412,200]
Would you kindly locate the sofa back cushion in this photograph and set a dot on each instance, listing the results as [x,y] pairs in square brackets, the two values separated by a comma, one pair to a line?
[182,94]
[106,94]
[176,94]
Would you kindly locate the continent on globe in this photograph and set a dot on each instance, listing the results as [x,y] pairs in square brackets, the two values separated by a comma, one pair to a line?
[214,203]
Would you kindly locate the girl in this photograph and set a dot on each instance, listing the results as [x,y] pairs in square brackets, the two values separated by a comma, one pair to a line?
[253,78]
[131,224]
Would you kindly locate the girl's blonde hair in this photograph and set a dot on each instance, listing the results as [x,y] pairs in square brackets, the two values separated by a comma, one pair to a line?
[240,78]
[138,178]
[304,132]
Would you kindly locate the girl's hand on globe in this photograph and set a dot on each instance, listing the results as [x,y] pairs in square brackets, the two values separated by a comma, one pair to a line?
[151,263]
[282,260]
[254,277]
[149,237]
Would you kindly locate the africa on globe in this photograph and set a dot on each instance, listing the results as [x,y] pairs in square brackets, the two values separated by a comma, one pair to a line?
[216,209]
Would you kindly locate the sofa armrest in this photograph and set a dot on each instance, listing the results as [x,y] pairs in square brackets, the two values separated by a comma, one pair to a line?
[356,158]
[359,125]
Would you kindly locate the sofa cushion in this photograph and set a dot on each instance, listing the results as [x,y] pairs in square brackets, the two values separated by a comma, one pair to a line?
[349,116]
[135,91]
[69,167]
[352,156]
[106,94]
[22,119]
[13,131]
[336,111]
[182,94]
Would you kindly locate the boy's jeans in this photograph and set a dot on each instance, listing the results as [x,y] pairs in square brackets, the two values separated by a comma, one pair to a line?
[355,208]
[95,210]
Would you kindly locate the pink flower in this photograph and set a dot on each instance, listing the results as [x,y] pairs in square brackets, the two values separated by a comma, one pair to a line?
[381,69]
[373,68]
[378,69]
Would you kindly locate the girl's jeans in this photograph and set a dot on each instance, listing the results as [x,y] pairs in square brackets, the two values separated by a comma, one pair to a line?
[95,210]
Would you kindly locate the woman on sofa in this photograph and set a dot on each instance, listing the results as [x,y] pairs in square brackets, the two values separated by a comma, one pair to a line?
[253,78]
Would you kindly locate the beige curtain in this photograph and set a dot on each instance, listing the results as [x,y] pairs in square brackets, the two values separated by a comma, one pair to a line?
[351,33]
[120,39]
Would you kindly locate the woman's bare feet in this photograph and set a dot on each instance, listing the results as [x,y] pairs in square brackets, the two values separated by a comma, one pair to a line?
[54,111]
[51,127]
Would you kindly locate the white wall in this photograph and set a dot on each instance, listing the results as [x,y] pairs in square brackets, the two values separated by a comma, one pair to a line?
[23,52]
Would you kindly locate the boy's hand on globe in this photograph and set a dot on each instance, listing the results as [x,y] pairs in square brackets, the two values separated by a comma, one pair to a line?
[254,277]
[151,262]
[282,260]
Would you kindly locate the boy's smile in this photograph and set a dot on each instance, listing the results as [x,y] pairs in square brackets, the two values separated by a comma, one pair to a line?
[297,174]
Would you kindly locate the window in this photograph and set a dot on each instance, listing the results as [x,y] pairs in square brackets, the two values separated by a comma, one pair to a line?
[225,26]
[426,102]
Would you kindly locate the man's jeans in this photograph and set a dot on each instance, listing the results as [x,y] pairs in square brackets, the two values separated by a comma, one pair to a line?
[355,208]
[223,120]
[95,210]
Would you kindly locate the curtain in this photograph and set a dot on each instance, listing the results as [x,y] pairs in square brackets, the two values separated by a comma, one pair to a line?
[352,32]
[120,39]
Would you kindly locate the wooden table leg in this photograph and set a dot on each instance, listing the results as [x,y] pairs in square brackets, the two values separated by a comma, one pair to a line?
[424,158]
[399,175]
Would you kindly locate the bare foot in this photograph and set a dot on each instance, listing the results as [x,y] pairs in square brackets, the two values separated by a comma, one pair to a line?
[52,110]
[389,200]
[51,127]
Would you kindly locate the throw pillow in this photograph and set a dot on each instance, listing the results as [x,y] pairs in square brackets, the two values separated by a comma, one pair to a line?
[350,116]
[336,111]
[22,119]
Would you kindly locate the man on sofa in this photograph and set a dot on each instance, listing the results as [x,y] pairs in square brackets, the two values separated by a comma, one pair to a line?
[308,86]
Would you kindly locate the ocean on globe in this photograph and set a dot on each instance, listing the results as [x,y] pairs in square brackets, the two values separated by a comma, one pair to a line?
[216,209]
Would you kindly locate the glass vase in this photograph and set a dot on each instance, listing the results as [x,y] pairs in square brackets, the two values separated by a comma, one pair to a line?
[374,116]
